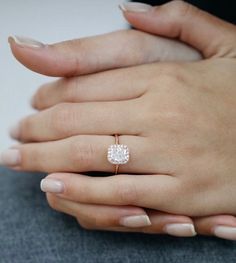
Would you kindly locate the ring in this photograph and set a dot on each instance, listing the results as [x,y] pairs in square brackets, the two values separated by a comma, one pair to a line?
[118,154]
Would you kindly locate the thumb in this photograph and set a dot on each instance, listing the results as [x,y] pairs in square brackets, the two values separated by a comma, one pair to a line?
[99,53]
[177,19]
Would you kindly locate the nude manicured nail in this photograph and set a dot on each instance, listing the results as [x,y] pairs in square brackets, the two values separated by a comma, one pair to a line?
[25,42]
[180,230]
[53,186]
[10,157]
[135,221]
[14,131]
[225,232]
[135,7]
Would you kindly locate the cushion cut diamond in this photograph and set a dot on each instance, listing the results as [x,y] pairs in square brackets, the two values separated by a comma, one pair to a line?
[118,154]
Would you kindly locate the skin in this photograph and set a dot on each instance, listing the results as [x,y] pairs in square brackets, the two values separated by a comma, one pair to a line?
[182,163]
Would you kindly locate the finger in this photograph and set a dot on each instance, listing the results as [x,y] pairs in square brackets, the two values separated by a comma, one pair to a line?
[99,53]
[152,191]
[100,216]
[104,86]
[163,223]
[69,119]
[123,218]
[223,226]
[178,19]
[82,153]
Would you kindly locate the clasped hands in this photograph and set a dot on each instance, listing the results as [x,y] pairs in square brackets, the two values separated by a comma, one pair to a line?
[169,90]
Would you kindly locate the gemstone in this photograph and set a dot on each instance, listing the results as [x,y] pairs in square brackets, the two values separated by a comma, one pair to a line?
[118,154]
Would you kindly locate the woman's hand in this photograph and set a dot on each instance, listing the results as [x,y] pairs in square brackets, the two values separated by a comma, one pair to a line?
[183,140]
[160,97]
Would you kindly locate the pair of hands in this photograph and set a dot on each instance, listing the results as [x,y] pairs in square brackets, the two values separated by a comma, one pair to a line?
[175,111]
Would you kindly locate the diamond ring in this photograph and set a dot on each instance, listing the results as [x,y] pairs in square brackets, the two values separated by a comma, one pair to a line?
[118,154]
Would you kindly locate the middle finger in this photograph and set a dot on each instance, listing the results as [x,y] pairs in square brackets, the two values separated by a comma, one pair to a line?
[104,86]
[69,119]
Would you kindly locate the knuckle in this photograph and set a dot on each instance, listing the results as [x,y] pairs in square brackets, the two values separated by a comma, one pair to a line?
[76,61]
[177,121]
[173,74]
[177,118]
[139,41]
[174,81]
[181,8]
[180,201]
[62,118]
[134,41]
[82,154]
[127,192]
[31,159]
[69,89]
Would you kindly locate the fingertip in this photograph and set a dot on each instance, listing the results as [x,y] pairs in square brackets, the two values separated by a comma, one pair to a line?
[25,42]
[30,53]
[134,12]
[135,7]
[219,225]
[180,230]
[53,186]
[41,58]
[225,232]
[33,102]
[11,40]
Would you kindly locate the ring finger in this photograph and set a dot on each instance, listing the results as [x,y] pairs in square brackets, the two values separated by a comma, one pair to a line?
[81,153]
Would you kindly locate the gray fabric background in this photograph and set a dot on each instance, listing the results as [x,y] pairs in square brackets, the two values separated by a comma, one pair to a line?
[31,232]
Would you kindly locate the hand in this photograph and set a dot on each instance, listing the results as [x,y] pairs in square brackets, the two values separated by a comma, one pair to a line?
[147,92]
[88,51]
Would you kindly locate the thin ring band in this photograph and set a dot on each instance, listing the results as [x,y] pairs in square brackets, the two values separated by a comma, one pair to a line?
[117,165]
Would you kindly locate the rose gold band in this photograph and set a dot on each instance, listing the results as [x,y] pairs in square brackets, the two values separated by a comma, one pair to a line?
[117,165]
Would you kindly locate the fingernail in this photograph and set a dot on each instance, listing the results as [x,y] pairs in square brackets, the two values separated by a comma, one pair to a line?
[225,232]
[52,186]
[14,131]
[135,221]
[180,230]
[135,7]
[25,42]
[10,157]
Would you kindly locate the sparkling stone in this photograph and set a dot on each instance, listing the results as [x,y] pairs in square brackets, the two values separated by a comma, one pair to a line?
[118,154]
